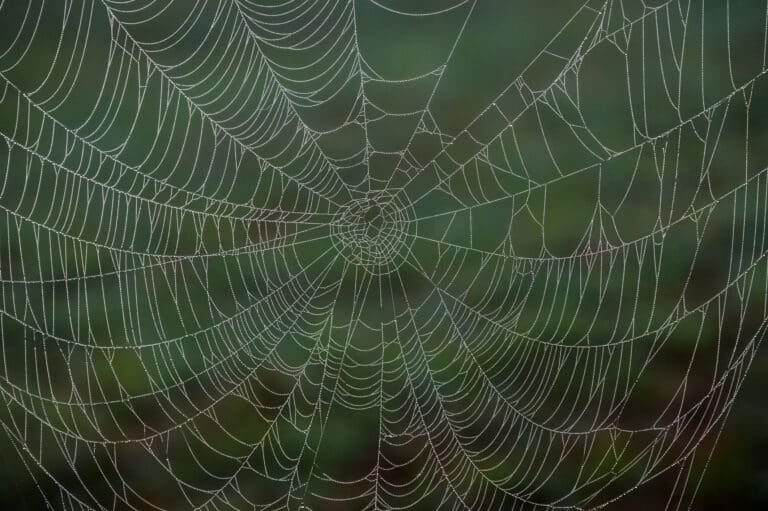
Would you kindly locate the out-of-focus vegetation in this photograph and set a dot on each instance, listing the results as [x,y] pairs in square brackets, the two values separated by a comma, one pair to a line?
[718,85]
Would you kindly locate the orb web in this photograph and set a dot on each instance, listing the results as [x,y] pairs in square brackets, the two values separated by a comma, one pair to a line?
[377,254]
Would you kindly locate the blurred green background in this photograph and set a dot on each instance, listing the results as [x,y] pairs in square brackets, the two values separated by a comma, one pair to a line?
[569,174]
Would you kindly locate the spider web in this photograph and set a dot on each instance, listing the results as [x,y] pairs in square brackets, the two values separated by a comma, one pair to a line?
[303,255]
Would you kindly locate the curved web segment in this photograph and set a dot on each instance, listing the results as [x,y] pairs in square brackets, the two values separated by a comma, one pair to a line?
[377,254]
